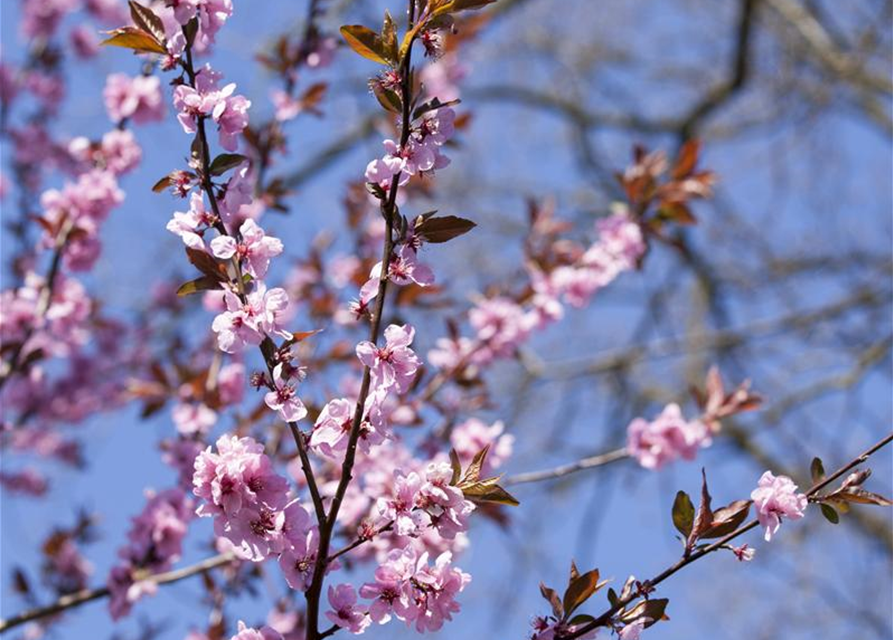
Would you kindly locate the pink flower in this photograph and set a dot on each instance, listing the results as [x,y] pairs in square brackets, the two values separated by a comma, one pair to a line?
[247,323]
[332,427]
[298,560]
[238,475]
[286,106]
[394,364]
[470,437]
[405,268]
[283,399]
[136,98]
[666,438]
[744,553]
[775,498]
[247,633]
[120,151]
[193,419]
[229,111]
[84,42]
[633,630]
[501,325]
[190,225]
[345,612]
[255,249]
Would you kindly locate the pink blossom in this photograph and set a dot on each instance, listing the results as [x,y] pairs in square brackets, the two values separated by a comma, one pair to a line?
[405,268]
[633,630]
[470,437]
[744,553]
[239,475]
[41,19]
[774,498]
[247,323]
[332,427]
[501,326]
[264,633]
[322,53]
[190,225]
[255,248]
[27,482]
[120,151]
[283,398]
[137,98]
[345,612]
[193,418]
[231,383]
[666,438]
[84,42]
[286,106]
[206,100]
[394,364]
[298,560]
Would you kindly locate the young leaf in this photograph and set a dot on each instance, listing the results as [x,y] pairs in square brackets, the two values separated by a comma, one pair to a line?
[366,42]
[389,38]
[817,470]
[580,590]
[552,598]
[204,283]
[830,514]
[704,516]
[146,20]
[456,466]
[683,514]
[224,162]
[727,519]
[136,39]
[442,229]
[162,184]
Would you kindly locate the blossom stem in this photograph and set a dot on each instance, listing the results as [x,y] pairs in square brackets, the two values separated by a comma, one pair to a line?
[389,212]
[266,347]
[591,462]
[87,595]
[605,618]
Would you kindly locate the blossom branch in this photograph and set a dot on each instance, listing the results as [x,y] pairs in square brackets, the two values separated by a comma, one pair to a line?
[266,347]
[605,618]
[88,595]
[389,212]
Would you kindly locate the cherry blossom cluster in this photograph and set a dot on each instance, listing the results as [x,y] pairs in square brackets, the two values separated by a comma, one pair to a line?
[248,500]
[421,155]
[667,438]
[155,544]
[502,324]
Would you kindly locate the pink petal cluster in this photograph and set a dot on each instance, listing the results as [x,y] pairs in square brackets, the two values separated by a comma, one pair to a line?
[666,438]
[501,326]
[423,500]
[243,324]
[245,496]
[776,497]
[420,155]
[264,633]
[468,438]
[345,613]
[138,98]
[206,100]
[254,250]
[155,544]
[411,590]
[394,364]
[283,397]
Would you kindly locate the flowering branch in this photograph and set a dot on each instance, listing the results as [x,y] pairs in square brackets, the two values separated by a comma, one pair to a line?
[646,587]
[389,212]
[88,595]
